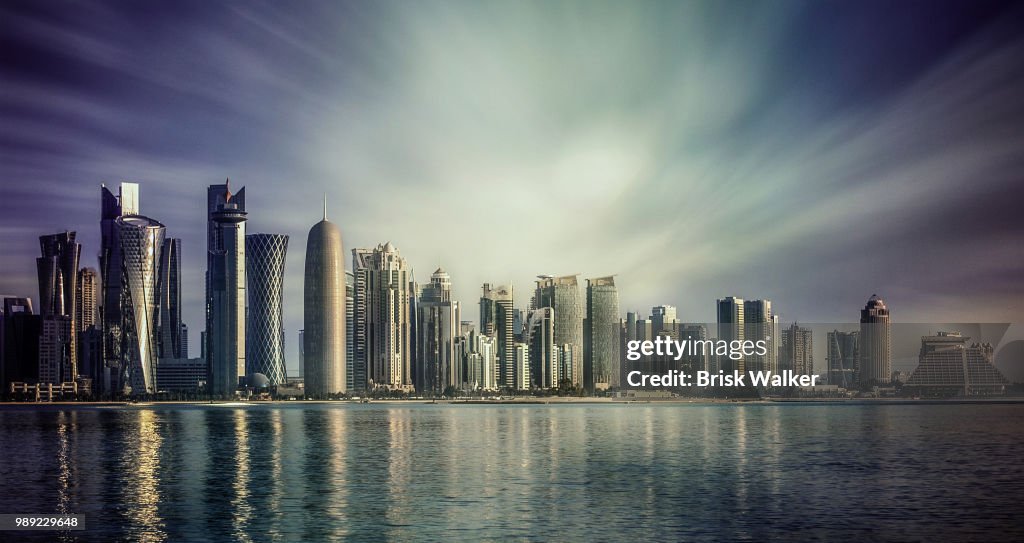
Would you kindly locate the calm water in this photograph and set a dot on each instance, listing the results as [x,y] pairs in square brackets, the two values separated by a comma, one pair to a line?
[542,473]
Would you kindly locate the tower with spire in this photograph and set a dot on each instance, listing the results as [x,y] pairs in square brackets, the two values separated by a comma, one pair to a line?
[324,311]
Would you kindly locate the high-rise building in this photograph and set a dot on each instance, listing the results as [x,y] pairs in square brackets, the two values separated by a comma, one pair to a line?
[302,354]
[947,367]
[485,376]
[184,340]
[225,289]
[759,325]
[383,324]
[497,320]
[540,331]
[324,311]
[437,327]
[700,359]
[58,276]
[570,363]
[112,207]
[361,265]
[843,358]
[87,290]
[87,334]
[630,325]
[19,356]
[875,343]
[601,335]
[563,295]
[350,332]
[142,241]
[663,319]
[264,271]
[522,367]
[170,299]
[730,329]
[798,350]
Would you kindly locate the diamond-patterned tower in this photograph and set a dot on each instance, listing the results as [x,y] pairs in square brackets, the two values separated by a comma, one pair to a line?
[264,271]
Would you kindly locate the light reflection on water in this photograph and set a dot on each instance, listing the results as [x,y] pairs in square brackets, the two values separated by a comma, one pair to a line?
[401,472]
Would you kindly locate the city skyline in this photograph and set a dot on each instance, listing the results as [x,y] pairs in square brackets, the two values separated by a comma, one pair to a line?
[848,181]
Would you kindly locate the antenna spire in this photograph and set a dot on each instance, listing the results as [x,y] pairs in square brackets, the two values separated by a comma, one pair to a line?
[325,206]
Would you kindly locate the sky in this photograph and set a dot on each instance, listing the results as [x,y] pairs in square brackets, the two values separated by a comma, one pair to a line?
[811,153]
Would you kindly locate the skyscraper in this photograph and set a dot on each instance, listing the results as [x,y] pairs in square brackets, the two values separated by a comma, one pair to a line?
[19,359]
[112,207]
[87,289]
[759,325]
[170,300]
[350,332]
[730,328]
[663,318]
[563,295]
[875,343]
[225,289]
[798,350]
[324,311]
[141,240]
[264,271]
[383,287]
[58,275]
[437,327]
[601,335]
[540,334]
[361,264]
[497,320]
[843,358]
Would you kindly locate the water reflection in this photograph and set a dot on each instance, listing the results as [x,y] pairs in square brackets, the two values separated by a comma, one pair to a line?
[567,473]
[139,461]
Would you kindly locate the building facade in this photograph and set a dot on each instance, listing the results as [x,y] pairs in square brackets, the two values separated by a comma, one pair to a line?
[142,241]
[563,295]
[438,325]
[843,358]
[497,319]
[324,323]
[601,335]
[264,272]
[730,328]
[225,289]
[171,342]
[126,202]
[875,343]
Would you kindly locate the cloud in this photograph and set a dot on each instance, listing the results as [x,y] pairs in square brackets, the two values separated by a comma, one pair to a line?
[697,150]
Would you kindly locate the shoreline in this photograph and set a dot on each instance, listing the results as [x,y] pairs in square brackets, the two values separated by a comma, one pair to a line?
[528,401]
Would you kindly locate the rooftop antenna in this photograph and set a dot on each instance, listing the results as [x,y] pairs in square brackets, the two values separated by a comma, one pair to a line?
[325,206]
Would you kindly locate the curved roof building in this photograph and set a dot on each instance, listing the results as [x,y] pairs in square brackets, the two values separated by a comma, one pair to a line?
[324,311]
[142,240]
[875,342]
[264,271]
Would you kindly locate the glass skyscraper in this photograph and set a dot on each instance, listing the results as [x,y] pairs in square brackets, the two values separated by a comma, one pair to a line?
[170,301]
[142,241]
[225,289]
[58,274]
[563,295]
[497,320]
[112,207]
[264,262]
[601,333]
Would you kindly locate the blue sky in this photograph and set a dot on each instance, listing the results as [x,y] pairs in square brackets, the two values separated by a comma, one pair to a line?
[811,153]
